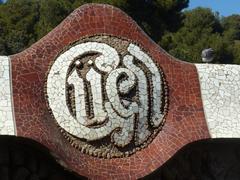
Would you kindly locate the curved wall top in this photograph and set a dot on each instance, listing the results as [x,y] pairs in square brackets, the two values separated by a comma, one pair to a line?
[104,97]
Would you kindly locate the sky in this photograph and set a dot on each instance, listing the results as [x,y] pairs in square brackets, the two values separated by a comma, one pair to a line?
[224,7]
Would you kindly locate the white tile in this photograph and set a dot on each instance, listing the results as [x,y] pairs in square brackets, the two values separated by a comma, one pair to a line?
[106,102]
[220,89]
[7,123]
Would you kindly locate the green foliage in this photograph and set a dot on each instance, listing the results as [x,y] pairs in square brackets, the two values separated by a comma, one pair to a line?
[231,26]
[202,29]
[157,16]
[182,34]
[51,13]
[16,25]
[236,52]
[231,34]
[23,22]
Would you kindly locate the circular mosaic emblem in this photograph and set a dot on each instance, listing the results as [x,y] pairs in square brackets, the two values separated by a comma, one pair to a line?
[107,96]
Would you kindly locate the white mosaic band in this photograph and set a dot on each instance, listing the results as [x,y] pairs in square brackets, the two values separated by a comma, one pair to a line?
[7,122]
[220,89]
[220,85]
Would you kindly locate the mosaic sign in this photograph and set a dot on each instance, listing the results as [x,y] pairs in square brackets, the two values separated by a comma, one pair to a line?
[107,96]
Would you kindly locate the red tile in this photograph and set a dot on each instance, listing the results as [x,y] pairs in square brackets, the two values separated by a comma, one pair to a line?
[185,120]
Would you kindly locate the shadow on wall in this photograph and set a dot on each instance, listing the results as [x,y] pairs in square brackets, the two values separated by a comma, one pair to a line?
[212,159]
[25,159]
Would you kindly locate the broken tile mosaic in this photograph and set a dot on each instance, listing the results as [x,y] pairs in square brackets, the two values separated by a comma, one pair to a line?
[7,124]
[185,120]
[220,86]
[107,99]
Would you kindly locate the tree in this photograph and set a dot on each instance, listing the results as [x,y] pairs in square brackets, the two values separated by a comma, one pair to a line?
[26,21]
[201,29]
[157,16]
[231,27]
[236,52]
[17,19]
[231,34]
[51,13]
[182,34]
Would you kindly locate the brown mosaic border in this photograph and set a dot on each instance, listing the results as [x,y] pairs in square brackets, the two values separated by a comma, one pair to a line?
[185,121]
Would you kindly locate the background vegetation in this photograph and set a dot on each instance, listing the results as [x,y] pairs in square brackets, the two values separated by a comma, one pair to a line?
[184,34]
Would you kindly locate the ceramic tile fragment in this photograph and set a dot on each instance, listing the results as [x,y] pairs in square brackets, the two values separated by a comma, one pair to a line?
[94,93]
[7,124]
[185,121]
[220,88]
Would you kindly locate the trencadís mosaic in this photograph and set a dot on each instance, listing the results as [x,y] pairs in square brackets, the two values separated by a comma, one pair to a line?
[107,95]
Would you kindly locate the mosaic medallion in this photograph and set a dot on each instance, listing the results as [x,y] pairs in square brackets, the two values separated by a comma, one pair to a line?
[107,95]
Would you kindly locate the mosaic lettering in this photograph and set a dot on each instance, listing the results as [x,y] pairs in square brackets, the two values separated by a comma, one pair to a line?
[107,96]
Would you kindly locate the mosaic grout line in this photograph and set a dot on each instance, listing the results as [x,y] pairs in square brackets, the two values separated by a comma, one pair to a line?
[220,86]
[184,121]
[7,123]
